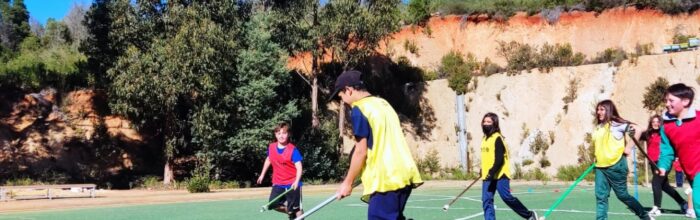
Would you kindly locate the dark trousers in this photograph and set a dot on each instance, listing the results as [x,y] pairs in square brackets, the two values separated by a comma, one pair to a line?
[388,205]
[679,179]
[503,187]
[659,183]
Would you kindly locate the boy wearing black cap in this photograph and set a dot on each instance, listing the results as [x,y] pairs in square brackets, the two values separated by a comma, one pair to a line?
[380,153]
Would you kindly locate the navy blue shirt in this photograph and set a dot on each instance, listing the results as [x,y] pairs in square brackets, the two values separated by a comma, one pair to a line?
[360,126]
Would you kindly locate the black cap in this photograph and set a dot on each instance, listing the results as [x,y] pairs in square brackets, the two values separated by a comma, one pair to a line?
[347,78]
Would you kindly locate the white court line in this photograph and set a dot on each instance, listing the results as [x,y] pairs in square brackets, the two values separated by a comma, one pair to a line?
[508,209]
[593,212]
[471,216]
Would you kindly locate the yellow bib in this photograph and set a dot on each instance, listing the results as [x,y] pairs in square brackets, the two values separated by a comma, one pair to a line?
[608,150]
[389,165]
[488,157]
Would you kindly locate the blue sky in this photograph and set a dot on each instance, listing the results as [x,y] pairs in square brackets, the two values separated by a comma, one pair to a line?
[42,10]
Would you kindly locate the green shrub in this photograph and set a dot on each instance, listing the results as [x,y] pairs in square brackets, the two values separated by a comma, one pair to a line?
[198,184]
[586,155]
[544,162]
[551,137]
[418,11]
[149,182]
[550,56]
[430,75]
[489,68]
[572,172]
[411,47]
[644,49]
[615,56]
[518,56]
[457,174]
[458,70]
[518,172]
[218,184]
[525,57]
[679,38]
[536,174]
[22,181]
[428,31]
[323,158]
[430,163]
[527,162]
[539,144]
[525,133]
[571,91]
[505,8]
[654,99]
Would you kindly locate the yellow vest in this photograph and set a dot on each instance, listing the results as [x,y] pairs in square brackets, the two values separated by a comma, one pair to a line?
[389,165]
[608,150]
[488,157]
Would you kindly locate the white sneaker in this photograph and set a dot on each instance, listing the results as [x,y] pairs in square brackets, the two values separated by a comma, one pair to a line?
[534,216]
[654,212]
[690,213]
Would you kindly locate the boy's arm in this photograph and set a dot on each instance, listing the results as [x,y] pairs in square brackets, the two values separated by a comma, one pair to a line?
[667,154]
[356,164]
[264,169]
[298,177]
[630,144]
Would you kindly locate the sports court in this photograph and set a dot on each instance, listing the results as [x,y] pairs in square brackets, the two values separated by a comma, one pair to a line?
[426,202]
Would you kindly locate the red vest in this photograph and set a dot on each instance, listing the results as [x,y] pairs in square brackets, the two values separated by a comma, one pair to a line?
[283,170]
[653,143]
[685,140]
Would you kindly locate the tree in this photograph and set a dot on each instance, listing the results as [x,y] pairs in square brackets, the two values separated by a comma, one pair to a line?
[4,34]
[458,70]
[18,18]
[74,20]
[36,27]
[655,95]
[347,30]
[109,24]
[418,11]
[207,83]
[56,33]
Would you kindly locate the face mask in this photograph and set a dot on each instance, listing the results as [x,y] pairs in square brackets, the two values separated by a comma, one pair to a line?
[487,129]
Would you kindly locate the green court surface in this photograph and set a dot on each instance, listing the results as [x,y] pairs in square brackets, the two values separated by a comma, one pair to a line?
[424,203]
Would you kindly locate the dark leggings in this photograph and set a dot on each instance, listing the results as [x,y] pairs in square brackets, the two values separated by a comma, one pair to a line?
[659,183]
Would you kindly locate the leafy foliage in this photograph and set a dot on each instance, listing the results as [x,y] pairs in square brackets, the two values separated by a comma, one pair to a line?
[614,56]
[418,11]
[206,85]
[458,70]
[654,99]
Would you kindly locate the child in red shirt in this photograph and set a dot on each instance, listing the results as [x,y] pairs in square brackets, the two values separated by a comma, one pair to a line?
[286,172]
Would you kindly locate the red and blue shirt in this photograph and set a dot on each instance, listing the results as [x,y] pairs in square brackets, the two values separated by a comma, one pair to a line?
[681,138]
[282,159]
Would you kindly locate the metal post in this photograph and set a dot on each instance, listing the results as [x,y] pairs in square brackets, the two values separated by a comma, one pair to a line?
[462,131]
[634,164]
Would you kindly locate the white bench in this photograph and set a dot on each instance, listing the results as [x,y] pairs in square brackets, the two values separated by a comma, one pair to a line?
[5,190]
